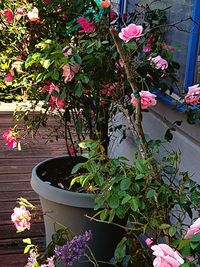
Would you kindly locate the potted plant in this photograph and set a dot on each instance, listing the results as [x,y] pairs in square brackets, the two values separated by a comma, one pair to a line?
[125,189]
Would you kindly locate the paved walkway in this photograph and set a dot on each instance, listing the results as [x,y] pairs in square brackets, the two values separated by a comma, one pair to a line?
[15,174]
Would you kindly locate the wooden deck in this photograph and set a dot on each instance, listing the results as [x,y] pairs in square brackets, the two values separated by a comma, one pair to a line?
[15,174]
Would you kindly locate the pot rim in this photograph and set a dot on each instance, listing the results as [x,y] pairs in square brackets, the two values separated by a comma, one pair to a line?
[58,195]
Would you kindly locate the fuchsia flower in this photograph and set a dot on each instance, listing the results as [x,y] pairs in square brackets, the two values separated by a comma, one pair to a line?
[56,102]
[8,15]
[69,71]
[194,229]
[193,95]
[86,26]
[160,63]
[132,31]
[166,256]
[33,15]
[21,218]
[147,99]
[10,138]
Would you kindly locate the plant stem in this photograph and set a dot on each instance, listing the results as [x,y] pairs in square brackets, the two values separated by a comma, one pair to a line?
[131,76]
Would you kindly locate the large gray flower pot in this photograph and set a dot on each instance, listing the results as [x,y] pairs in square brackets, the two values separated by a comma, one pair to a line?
[69,209]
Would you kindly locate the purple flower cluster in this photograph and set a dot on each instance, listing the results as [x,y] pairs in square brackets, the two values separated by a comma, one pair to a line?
[73,249]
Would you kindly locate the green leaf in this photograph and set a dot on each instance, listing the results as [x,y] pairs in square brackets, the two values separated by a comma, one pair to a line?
[120,251]
[46,63]
[27,241]
[126,199]
[151,193]
[134,204]
[164,226]
[39,77]
[125,184]
[172,230]
[84,79]
[76,167]
[78,59]
[55,75]
[104,214]
[196,238]
[78,89]
[27,248]
[113,201]
[186,251]
[194,245]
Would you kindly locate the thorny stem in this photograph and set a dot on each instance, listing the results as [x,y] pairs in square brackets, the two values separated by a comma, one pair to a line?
[131,76]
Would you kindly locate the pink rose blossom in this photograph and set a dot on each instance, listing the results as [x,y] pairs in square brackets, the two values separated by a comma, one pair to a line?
[47,2]
[9,77]
[166,256]
[166,46]
[160,63]
[10,138]
[147,99]
[194,229]
[113,15]
[71,150]
[193,95]
[150,39]
[86,26]
[21,218]
[56,102]
[69,71]
[147,49]
[33,15]
[8,15]
[132,31]
[149,242]
[20,11]
[119,64]
[50,88]
[67,50]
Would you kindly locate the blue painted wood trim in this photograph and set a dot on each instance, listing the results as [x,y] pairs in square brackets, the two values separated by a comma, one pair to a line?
[193,46]
[121,7]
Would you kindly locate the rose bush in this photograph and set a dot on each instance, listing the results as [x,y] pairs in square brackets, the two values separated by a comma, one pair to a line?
[64,56]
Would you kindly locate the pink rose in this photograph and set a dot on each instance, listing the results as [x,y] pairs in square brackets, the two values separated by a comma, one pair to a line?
[47,2]
[69,71]
[193,95]
[67,50]
[21,218]
[194,229]
[20,11]
[10,138]
[113,15]
[50,88]
[166,256]
[150,39]
[160,63]
[56,102]
[9,77]
[8,15]
[130,32]
[147,99]
[166,46]
[149,242]
[86,26]
[33,15]
[147,49]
